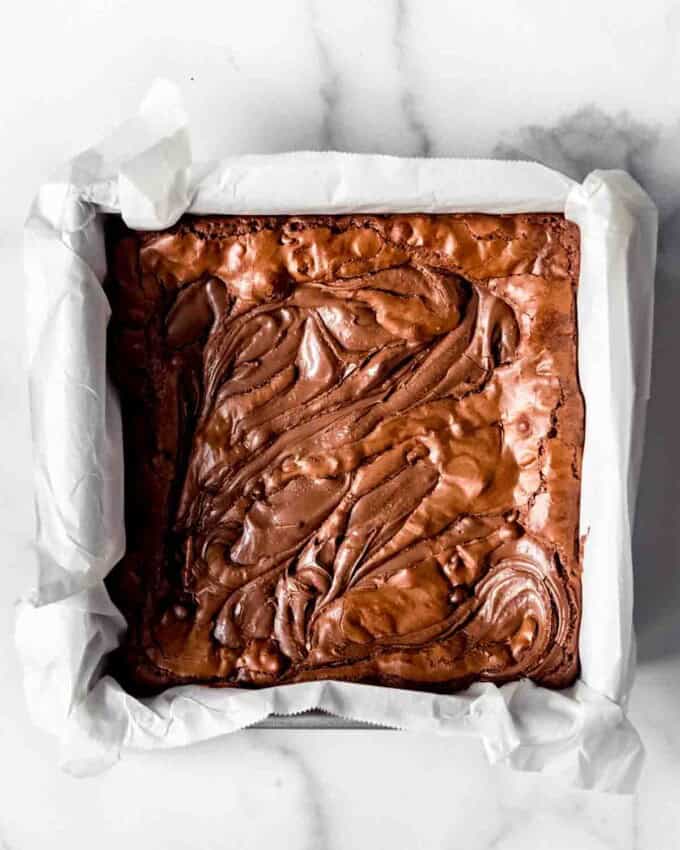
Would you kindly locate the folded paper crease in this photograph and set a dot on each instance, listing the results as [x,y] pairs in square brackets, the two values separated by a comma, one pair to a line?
[144,173]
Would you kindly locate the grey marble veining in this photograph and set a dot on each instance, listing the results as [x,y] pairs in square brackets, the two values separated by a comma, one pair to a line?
[317,835]
[329,87]
[576,86]
[423,142]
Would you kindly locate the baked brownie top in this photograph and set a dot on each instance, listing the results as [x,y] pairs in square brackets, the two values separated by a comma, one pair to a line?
[352,449]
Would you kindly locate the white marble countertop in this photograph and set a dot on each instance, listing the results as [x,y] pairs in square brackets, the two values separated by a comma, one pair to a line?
[576,86]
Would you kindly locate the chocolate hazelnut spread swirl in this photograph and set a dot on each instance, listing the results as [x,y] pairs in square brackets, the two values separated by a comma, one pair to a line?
[353,449]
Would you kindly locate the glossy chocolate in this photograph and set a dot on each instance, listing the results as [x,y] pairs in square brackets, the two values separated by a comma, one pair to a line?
[353,448]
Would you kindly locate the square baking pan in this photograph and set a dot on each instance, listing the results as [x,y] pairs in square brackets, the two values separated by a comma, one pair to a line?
[69,626]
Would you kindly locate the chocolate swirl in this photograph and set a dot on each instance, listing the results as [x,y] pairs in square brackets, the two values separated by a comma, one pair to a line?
[356,444]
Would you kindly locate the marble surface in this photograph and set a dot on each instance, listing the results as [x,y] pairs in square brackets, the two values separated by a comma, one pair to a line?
[576,86]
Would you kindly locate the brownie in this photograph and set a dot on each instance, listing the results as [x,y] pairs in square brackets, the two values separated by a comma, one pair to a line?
[352,450]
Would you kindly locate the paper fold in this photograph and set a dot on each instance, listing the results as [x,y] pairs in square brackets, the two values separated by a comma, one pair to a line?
[144,173]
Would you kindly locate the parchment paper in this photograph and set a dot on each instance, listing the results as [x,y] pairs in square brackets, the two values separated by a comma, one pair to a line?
[145,173]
